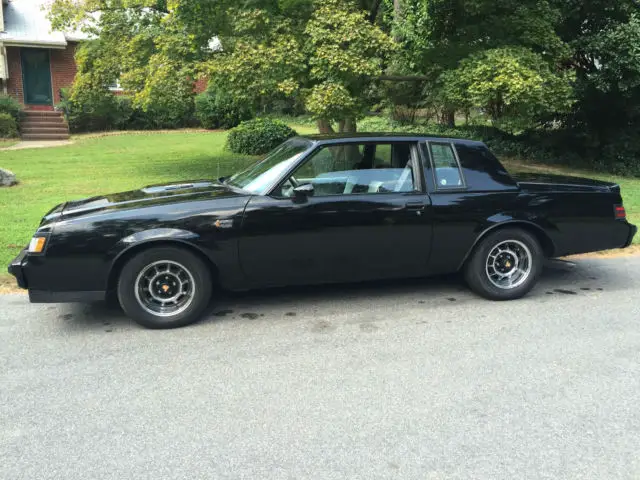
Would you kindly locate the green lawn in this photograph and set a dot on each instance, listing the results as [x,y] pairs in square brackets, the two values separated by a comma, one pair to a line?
[98,165]
[4,143]
[104,164]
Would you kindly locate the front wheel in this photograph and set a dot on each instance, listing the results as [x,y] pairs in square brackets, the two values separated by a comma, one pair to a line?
[165,287]
[505,265]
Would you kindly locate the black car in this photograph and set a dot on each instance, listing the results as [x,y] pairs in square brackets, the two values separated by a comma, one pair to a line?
[320,209]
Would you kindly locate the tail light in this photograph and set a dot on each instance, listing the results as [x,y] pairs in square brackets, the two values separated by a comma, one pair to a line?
[620,212]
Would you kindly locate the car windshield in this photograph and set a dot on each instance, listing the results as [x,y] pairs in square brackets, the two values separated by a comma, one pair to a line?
[261,175]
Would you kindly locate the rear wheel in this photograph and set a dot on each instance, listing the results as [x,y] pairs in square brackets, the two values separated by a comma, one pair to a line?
[505,265]
[165,287]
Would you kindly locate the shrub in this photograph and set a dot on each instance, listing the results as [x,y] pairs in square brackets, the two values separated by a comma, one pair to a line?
[259,136]
[11,106]
[90,110]
[167,98]
[218,109]
[8,126]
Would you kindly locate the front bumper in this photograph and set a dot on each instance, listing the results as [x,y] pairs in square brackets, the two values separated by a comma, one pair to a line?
[16,268]
[26,274]
[632,234]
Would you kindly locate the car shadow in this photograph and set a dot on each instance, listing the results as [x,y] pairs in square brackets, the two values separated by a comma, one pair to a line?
[558,278]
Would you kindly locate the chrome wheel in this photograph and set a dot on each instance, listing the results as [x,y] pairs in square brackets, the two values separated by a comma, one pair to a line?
[165,288]
[509,264]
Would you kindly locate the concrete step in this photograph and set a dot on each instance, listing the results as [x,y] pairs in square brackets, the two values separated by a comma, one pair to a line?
[45,136]
[48,124]
[50,128]
[42,113]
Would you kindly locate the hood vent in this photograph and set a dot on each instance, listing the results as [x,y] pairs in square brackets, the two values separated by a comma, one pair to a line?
[176,186]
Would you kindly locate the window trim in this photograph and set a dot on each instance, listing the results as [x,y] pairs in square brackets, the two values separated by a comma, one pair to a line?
[419,182]
[432,166]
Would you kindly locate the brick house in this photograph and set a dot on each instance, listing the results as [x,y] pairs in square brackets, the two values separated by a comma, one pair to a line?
[35,62]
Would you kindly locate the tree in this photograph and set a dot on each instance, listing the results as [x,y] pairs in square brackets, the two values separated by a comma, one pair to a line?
[329,59]
[513,85]
[437,35]
[325,51]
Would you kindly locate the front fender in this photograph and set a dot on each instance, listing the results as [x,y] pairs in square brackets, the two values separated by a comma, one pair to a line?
[221,255]
[144,237]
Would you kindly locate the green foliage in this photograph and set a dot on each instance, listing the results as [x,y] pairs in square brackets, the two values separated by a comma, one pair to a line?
[326,57]
[511,84]
[88,110]
[259,136]
[8,126]
[332,101]
[11,106]
[99,110]
[544,66]
[168,95]
[216,108]
[346,51]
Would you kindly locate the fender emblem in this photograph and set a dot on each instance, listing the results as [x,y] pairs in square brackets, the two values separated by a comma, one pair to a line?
[224,223]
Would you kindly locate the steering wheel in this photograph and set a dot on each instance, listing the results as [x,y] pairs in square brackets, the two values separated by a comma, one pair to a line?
[294,182]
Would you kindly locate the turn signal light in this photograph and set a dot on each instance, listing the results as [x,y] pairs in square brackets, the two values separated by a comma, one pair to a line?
[37,244]
[621,213]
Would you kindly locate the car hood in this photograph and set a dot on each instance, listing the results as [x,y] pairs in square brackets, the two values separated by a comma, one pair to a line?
[538,181]
[148,196]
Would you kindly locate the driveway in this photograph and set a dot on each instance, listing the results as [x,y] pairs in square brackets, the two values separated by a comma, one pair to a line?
[409,380]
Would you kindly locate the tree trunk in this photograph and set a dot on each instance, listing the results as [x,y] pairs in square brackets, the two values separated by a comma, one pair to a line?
[450,118]
[397,16]
[349,125]
[324,126]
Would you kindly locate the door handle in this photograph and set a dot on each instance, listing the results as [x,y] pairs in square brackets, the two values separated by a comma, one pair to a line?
[415,206]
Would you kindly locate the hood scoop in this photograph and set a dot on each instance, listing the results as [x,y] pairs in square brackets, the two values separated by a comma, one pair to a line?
[151,189]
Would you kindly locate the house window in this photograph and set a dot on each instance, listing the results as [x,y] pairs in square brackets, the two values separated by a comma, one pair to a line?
[115,86]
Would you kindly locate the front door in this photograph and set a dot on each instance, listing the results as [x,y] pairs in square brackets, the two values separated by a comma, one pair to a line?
[366,220]
[36,76]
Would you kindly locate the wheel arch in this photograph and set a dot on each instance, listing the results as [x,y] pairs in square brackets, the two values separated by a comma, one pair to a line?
[548,247]
[123,257]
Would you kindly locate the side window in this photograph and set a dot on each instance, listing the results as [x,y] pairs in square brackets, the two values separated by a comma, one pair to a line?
[446,169]
[352,168]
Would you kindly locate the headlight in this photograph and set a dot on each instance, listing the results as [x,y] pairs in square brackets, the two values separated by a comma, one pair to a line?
[37,244]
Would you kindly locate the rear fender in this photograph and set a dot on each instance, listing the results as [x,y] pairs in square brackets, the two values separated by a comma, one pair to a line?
[539,228]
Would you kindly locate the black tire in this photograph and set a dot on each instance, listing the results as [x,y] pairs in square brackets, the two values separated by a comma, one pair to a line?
[476,271]
[139,307]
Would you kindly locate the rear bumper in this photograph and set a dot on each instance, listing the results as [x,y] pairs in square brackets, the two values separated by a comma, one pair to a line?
[25,274]
[632,233]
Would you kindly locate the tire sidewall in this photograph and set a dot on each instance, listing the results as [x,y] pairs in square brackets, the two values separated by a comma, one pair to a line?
[475,271]
[127,285]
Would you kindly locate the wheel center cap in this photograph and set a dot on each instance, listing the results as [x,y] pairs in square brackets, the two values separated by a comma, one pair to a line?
[165,288]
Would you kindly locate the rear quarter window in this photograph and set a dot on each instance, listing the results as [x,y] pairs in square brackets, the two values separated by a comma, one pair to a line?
[482,170]
[446,170]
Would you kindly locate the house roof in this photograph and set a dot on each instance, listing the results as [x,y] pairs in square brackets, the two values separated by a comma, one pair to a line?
[26,23]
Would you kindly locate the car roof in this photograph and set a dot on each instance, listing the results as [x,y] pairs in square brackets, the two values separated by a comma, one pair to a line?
[382,137]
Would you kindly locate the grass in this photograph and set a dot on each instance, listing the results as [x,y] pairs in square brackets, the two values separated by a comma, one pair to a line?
[91,166]
[4,143]
[96,165]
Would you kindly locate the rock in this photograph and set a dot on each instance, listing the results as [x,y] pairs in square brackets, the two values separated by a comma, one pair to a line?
[7,178]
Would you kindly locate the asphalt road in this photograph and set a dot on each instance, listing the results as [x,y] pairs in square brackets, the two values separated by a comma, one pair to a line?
[409,380]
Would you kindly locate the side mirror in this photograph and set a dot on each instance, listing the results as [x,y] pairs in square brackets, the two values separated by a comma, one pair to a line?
[304,191]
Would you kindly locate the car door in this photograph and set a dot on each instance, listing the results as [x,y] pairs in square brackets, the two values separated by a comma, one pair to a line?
[365,220]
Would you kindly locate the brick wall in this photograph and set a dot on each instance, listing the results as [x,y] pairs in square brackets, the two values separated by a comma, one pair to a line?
[201,85]
[63,71]
[14,85]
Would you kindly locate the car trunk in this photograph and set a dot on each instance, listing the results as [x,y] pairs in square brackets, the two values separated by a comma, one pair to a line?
[536,182]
